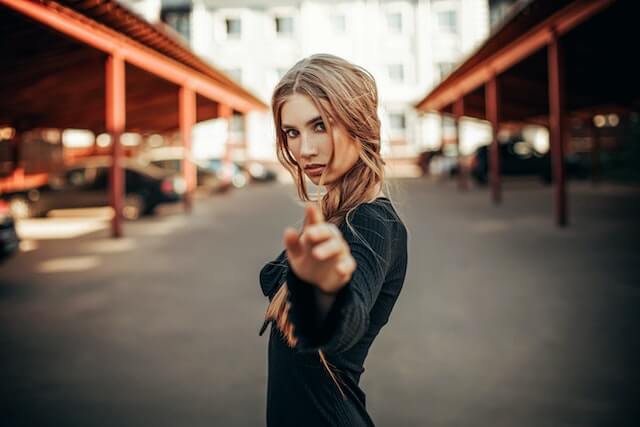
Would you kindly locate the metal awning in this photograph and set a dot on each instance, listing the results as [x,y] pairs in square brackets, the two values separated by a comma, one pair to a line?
[93,64]
[550,59]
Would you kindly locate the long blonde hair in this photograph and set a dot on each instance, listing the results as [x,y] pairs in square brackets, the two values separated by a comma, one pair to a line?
[345,94]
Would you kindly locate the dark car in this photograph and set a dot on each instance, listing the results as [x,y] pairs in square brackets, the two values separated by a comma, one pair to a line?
[516,158]
[205,178]
[520,158]
[9,241]
[85,184]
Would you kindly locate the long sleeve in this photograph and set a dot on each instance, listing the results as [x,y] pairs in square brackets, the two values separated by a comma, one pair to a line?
[348,319]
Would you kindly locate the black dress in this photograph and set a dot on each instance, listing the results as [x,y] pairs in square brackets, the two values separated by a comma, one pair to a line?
[300,390]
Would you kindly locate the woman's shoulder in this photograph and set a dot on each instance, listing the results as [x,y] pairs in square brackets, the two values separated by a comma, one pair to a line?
[379,210]
[378,216]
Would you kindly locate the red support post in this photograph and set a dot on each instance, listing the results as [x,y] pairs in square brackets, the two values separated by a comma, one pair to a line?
[492,99]
[458,112]
[226,112]
[115,119]
[556,126]
[245,136]
[443,118]
[187,101]
[595,153]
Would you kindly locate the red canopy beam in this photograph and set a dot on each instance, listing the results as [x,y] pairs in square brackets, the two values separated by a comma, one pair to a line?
[492,93]
[187,121]
[115,124]
[557,127]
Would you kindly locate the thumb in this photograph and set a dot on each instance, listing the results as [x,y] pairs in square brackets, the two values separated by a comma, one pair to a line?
[292,242]
[313,215]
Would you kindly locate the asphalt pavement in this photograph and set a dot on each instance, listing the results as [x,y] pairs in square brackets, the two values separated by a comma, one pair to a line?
[504,319]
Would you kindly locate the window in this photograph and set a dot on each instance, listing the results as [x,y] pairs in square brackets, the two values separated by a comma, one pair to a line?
[235,74]
[338,23]
[448,21]
[396,73]
[284,26]
[394,22]
[234,28]
[397,121]
[179,19]
[444,68]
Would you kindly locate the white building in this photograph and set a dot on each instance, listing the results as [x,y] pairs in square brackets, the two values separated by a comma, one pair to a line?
[407,45]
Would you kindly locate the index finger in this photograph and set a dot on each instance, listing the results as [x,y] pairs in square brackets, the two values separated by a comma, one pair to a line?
[313,215]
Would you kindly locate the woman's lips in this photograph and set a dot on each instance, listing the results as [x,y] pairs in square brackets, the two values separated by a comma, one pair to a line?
[314,171]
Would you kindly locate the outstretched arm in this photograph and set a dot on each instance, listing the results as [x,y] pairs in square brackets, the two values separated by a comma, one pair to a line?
[334,314]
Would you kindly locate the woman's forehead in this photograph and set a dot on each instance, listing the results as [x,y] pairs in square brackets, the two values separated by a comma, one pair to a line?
[298,109]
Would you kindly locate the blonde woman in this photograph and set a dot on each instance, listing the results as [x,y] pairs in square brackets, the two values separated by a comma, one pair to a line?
[333,287]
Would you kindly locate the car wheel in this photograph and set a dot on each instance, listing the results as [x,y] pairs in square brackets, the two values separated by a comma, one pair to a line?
[134,207]
[20,208]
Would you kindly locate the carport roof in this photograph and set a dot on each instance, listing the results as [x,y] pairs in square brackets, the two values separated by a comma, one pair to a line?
[599,71]
[53,76]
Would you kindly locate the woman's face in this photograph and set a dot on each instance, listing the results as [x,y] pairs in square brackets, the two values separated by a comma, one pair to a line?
[311,144]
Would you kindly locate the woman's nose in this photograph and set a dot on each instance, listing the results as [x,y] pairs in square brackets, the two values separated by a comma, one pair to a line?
[308,147]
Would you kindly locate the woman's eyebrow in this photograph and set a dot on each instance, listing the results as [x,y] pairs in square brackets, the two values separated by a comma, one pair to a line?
[309,122]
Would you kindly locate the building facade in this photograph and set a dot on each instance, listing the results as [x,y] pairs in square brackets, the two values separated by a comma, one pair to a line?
[407,45]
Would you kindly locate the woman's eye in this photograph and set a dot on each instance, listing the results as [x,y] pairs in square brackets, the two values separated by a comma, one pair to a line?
[319,127]
[291,133]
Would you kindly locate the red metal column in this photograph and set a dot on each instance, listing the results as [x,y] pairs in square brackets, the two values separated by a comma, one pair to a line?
[556,126]
[458,112]
[492,98]
[439,176]
[115,122]
[245,136]
[595,153]
[226,112]
[187,120]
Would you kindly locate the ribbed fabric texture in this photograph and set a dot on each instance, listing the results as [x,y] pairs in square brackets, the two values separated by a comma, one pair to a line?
[300,392]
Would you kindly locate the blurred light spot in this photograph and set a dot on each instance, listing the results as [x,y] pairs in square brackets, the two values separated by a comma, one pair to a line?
[599,121]
[613,120]
[52,136]
[60,228]
[70,264]
[7,133]
[103,140]
[77,138]
[155,140]
[28,245]
[105,212]
[522,148]
[130,139]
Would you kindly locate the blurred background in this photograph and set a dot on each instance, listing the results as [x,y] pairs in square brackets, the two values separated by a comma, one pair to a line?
[140,196]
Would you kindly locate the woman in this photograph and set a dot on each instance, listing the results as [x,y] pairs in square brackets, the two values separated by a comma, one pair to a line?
[333,287]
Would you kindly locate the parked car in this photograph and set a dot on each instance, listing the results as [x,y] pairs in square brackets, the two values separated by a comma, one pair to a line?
[520,158]
[442,162]
[205,178]
[85,184]
[259,172]
[516,158]
[9,241]
[229,172]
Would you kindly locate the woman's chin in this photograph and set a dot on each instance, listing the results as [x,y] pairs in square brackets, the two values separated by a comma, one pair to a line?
[316,179]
